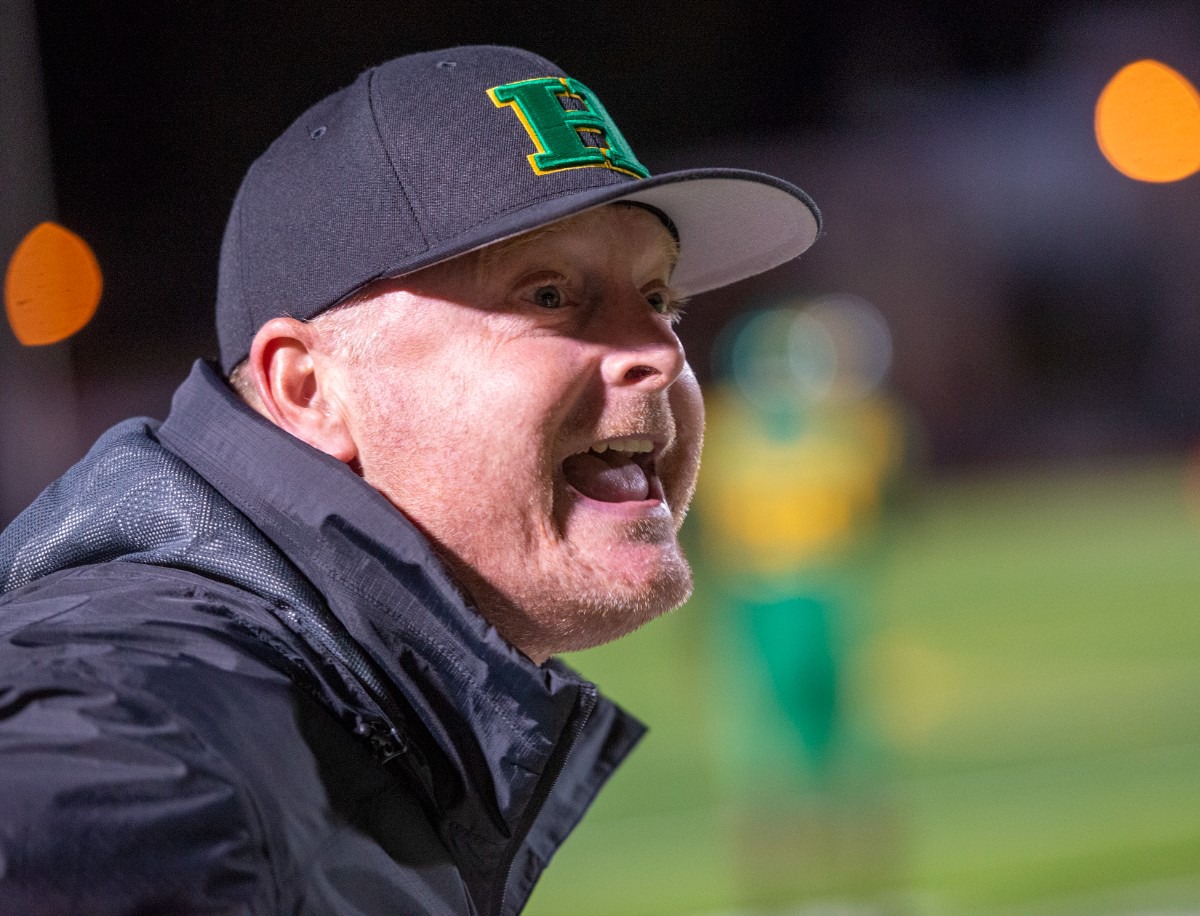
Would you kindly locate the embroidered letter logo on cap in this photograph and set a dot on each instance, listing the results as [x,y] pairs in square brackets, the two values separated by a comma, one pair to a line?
[568,125]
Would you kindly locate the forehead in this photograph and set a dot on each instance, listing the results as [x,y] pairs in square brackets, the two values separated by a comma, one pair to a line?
[623,230]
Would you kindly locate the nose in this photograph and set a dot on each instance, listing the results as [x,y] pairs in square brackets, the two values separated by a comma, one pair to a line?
[643,350]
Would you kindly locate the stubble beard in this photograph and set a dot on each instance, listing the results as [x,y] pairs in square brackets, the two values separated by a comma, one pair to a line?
[566,600]
[545,587]
[560,592]
[544,592]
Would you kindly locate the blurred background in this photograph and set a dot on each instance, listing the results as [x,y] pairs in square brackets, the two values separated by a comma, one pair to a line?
[943,654]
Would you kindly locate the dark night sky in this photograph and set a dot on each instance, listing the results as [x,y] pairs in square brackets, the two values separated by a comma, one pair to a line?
[156,110]
[1041,304]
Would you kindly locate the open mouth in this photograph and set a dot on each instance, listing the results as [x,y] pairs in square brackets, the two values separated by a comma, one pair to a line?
[616,471]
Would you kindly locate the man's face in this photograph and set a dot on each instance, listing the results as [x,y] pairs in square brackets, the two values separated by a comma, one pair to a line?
[531,411]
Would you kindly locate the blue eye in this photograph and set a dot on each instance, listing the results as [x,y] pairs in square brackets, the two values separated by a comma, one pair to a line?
[548,297]
[660,302]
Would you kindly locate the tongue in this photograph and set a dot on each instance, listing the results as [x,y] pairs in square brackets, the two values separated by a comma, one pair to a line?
[610,479]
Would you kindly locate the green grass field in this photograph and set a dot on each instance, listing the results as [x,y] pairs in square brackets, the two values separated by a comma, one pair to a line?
[1020,734]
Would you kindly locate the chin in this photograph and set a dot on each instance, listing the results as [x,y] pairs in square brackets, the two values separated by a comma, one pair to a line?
[613,605]
[580,605]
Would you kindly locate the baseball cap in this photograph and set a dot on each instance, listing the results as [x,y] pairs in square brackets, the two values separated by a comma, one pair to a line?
[432,155]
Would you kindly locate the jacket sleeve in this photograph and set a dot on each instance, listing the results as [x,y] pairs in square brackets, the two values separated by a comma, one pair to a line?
[110,802]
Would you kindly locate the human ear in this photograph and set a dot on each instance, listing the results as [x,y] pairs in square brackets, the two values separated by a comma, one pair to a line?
[297,389]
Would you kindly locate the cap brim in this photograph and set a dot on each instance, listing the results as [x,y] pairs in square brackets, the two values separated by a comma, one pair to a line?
[732,223]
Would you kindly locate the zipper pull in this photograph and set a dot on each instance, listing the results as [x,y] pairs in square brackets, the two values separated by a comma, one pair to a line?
[386,743]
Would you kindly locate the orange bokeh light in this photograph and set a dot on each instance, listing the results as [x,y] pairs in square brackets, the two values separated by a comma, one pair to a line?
[52,287]
[1148,123]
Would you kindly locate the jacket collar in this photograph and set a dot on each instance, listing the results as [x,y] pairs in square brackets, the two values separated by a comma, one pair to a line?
[381,579]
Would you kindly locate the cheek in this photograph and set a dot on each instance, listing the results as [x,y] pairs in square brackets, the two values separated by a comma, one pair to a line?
[687,406]
[400,420]
[541,387]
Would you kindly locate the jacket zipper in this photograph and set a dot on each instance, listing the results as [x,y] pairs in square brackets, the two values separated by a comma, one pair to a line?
[586,703]
[384,735]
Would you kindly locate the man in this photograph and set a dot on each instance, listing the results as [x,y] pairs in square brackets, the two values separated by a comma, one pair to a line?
[291,652]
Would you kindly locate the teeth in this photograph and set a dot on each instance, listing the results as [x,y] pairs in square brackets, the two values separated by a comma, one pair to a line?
[629,445]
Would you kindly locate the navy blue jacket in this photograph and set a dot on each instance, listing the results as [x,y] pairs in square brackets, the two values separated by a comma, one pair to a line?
[234,679]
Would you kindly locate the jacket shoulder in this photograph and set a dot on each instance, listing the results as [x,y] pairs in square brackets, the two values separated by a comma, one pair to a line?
[152,746]
[115,790]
